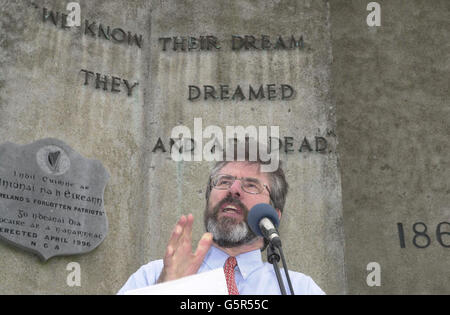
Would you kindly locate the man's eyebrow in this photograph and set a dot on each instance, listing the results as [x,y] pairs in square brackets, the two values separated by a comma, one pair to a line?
[252,179]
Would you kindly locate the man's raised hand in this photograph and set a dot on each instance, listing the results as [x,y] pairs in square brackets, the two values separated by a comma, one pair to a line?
[179,260]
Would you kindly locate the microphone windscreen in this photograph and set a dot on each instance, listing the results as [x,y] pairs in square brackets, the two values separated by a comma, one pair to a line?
[257,213]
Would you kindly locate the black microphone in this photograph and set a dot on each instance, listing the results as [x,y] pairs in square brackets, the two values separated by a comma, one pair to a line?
[263,221]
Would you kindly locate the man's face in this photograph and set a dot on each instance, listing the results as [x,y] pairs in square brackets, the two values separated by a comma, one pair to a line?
[227,210]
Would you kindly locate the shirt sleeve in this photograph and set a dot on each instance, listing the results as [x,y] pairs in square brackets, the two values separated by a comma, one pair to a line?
[145,276]
[304,285]
[313,288]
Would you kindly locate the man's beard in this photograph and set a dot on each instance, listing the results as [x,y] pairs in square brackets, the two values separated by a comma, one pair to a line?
[226,231]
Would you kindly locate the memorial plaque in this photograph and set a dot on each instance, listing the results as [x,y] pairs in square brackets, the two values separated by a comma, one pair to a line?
[51,199]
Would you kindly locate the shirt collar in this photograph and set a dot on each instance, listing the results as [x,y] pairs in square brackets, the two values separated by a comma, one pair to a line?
[247,262]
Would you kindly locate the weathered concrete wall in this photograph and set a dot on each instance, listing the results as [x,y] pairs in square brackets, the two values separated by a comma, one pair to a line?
[385,86]
[392,98]
[42,95]
[312,222]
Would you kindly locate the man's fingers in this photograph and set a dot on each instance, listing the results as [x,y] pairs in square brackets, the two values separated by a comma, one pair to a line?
[169,253]
[203,246]
[187,233]
[179,261]
[177,232]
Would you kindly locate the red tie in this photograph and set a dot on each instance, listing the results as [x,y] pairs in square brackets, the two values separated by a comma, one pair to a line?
[228,268]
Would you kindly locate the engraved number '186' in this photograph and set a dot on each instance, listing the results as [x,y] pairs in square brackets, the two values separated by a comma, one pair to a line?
[421,238]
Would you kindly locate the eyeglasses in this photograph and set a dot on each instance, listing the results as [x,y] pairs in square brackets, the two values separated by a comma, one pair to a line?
[248,184]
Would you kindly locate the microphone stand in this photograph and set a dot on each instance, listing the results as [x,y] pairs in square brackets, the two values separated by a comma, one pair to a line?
[274,258]
[286,271]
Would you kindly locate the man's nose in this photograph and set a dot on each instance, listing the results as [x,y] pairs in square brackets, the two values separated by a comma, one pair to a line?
[235,190]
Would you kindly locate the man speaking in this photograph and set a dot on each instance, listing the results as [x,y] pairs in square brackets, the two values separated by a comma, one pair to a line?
[233,188]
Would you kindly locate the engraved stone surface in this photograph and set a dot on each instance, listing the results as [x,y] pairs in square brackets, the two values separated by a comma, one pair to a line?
[51,199]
